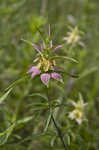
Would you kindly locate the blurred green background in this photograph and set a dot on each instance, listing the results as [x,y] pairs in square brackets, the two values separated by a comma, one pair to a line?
[18,19]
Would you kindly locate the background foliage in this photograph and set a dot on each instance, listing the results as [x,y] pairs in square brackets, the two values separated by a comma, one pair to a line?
[18,20]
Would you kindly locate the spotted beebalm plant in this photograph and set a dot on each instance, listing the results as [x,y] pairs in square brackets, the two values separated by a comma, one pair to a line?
[46,65]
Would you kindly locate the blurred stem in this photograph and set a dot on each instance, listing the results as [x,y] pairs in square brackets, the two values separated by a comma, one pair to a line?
[43,6]
[55,124]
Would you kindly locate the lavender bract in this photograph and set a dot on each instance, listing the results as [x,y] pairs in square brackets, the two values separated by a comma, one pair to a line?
[37,47]
[34,70]
[45,78]
[56,76]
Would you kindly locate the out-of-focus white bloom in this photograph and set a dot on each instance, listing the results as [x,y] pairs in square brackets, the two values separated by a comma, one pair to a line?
[78,113]
[73,37]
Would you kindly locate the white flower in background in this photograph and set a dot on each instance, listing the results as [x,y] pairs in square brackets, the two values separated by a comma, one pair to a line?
[78,113]
[73,37]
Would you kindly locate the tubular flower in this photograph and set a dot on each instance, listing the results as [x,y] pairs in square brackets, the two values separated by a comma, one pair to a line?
[46,64]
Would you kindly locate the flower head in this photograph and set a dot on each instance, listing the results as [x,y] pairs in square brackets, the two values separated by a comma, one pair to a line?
[45,63]
[73,37]
[78,113]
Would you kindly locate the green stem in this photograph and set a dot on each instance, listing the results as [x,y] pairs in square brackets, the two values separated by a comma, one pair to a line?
[59,132]
[55,124]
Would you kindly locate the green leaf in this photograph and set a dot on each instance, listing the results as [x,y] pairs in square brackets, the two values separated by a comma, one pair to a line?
[2,98]
[38,108]
[47,122]
[3,139]
[53,141]
[4,135]
[64,57]
[33,136]
[24,120]
[38,104]
[17,82]
[80,97]
[28,42]
[39,95]
[68,139]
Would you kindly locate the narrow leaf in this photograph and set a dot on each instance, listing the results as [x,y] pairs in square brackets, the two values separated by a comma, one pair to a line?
[33,136]
[68,139]
[47,122]
[26,41]
[4,135]
[53,141]
[64,57]
[39,95]
[17,82]
[38,108]
[24,120]
[38,104]
[2,98]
